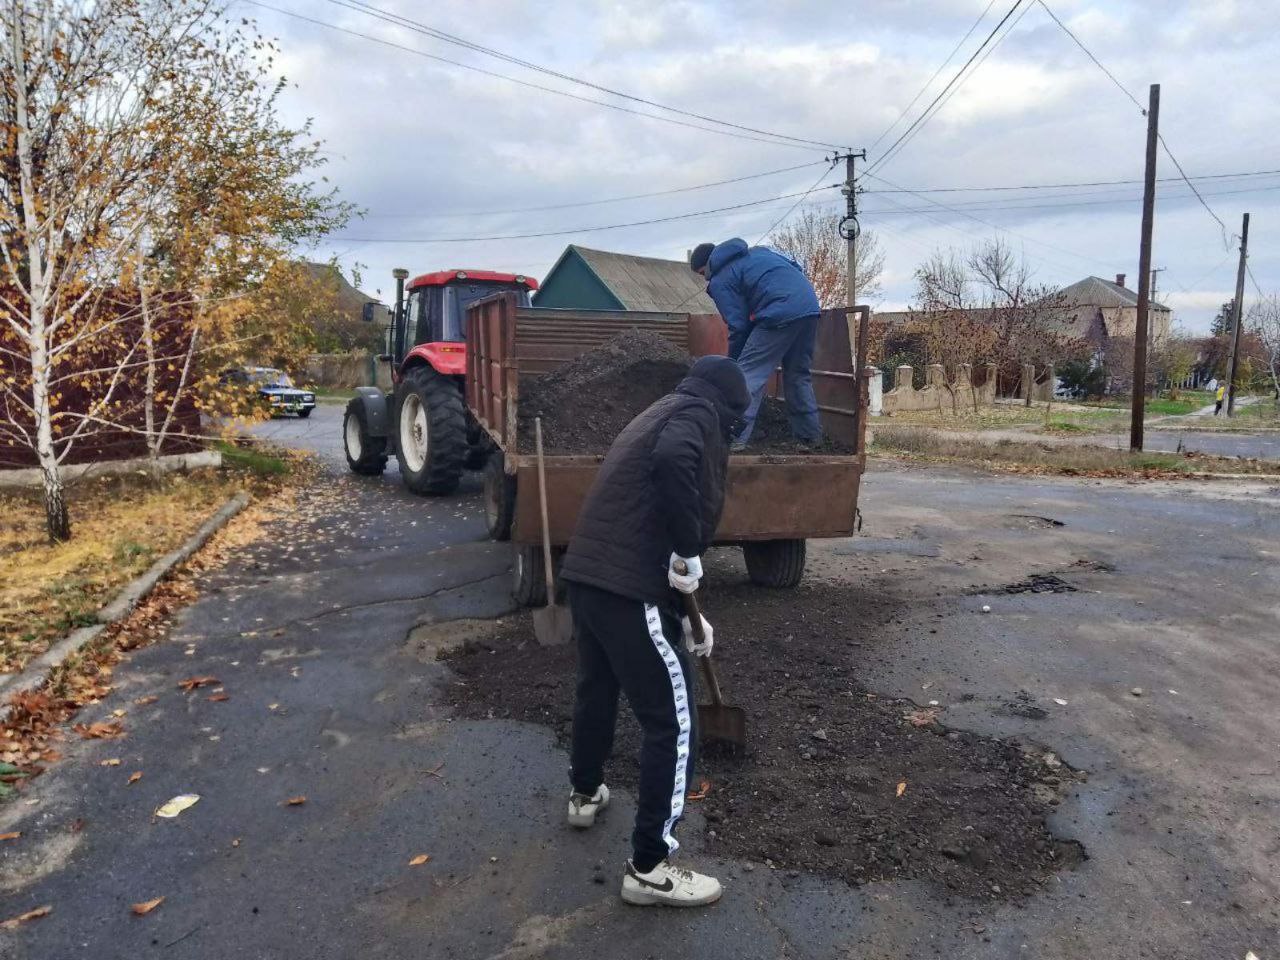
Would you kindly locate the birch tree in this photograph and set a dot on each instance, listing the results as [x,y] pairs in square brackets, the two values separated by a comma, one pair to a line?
[1264,319]
[131,125]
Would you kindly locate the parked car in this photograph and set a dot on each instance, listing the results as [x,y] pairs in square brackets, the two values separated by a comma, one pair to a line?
[274,388]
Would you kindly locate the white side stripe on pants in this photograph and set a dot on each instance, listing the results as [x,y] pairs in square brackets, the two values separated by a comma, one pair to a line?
[680,694]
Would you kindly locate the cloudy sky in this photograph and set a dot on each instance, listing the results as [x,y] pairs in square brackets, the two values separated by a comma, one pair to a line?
[439,155]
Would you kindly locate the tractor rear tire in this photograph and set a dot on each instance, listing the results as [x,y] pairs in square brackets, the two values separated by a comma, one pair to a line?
[366,455]
[775,563]
[528,579]
[431,432]
[499,499]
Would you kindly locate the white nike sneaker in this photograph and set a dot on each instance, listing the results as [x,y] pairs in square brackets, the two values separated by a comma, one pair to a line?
[583,809]
[669,886]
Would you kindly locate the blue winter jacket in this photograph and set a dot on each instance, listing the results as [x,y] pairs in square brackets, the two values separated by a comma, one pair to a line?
[757,286]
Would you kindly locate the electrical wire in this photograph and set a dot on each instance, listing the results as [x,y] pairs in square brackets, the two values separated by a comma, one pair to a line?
[922,119]
[594,203]
[610,226]
[516,80]
[995,205]
[928,83]
[797,203]
[1089,183]
[1256,286]
[436,33]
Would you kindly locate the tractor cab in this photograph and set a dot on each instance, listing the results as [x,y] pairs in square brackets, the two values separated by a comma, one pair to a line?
[423,422]
[431,316]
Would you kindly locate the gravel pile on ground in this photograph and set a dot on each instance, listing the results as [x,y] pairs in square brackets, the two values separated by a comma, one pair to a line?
[836,780]
[586,403]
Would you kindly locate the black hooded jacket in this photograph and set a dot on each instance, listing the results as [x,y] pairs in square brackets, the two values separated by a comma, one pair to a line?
[661,487]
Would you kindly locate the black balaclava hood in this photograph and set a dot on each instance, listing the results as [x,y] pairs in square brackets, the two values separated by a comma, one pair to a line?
[719,380]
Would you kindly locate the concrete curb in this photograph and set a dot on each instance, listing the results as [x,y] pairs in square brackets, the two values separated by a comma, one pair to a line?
[37,671]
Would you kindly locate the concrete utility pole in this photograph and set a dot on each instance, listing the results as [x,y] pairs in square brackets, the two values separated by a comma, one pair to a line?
[1238,319]
[1144,274]
[849,229]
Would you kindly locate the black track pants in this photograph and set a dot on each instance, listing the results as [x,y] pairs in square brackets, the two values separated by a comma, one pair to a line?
[634,647]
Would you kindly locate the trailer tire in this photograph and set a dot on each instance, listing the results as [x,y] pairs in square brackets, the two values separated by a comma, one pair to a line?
[431,432]
[499,499]
[366,455]
[528,580]
[775,563]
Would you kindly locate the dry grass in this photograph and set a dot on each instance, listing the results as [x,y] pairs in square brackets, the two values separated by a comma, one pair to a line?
[1070,459]
[120,526]
[1005,416]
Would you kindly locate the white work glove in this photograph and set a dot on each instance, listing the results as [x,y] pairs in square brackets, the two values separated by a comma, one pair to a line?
[691,644]
[684,582]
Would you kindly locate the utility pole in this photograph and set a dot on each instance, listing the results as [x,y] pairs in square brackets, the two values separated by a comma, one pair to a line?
[1144,274]
[849,229]
[1238,319]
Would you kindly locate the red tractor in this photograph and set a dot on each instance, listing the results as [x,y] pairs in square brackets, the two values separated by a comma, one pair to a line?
[424,421]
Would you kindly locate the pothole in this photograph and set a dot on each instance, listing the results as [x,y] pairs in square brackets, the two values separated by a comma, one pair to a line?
[429,641]
[1031,521]
[1036,583]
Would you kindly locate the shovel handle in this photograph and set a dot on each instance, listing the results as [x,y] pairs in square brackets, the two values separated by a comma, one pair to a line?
[542,506]
[694,613]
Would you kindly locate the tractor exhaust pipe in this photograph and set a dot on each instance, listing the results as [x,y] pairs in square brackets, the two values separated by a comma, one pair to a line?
[401,275]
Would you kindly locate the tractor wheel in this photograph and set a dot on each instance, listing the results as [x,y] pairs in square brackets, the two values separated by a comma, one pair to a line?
[499,499]
[774,563]
[431,435]
[365,454]
[528,581]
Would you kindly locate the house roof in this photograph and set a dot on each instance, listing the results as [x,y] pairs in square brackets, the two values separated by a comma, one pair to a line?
[1096,292]
[648,283]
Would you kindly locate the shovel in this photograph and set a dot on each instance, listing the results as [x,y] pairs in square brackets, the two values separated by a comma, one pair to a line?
[716,720]
[552,624]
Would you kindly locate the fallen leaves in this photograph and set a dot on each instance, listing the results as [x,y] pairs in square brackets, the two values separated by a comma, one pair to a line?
[922,717]
[22,918]
[113,762]
[142,909]
[171,808]
[12,835]
[295,801]
[701,794]
[143,701]
[902,788]
[102,730]
[420,859]
[191,683]
[218,697]
[135,776]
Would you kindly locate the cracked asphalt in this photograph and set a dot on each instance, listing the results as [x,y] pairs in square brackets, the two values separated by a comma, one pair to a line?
[324,636]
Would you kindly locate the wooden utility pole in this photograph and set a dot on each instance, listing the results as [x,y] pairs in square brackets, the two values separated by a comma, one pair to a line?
[849,229]
[1144,273]
[1238,319]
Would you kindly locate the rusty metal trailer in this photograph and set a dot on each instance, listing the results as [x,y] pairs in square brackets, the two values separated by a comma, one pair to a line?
[773,504]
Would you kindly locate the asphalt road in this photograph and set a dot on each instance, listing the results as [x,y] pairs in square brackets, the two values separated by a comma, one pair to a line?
[324,635]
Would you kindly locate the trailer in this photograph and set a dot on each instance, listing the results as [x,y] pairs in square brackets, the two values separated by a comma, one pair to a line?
[773,504]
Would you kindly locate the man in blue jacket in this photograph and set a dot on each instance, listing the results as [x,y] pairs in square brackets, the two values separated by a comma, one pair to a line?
[772,313]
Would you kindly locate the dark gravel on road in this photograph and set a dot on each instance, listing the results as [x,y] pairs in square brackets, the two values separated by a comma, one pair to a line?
[586,403]
[819,787]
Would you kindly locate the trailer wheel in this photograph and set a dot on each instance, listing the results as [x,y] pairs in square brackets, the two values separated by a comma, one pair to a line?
[529,582]
[499,499]
[431,432]
[366,455]
[774,563]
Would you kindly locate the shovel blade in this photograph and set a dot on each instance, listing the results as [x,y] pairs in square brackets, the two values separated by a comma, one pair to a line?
[553,625]
[722,722]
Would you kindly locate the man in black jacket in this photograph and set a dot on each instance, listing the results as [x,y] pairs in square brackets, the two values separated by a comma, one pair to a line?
[653,510]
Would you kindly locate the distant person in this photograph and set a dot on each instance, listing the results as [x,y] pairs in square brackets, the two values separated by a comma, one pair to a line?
[656,500]
[772,313]
[1222,392]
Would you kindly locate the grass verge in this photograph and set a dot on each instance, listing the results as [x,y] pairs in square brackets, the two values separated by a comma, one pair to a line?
[120,526]
[1068,459]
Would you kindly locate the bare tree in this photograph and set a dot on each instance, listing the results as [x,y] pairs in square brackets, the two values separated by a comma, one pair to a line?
[813,240]
[1264,319]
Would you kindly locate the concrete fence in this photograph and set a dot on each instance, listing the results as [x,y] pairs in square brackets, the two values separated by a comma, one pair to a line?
[939,394]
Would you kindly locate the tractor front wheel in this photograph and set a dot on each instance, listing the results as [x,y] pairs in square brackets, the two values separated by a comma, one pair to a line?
[431,432]
[365,454]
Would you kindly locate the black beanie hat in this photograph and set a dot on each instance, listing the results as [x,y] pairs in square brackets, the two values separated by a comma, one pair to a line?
[701,254]
[726,376]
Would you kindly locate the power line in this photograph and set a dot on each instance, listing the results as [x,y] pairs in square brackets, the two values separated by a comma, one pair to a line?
[1164,145]
[436,33]
[610,226]
[1256,286]
[928,83]
[524,83]
[1089,183]
[594,203]
[923,118]
[796,204]
[995,205]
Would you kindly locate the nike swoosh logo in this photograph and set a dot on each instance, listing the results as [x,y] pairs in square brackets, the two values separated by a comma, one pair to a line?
[666,886]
